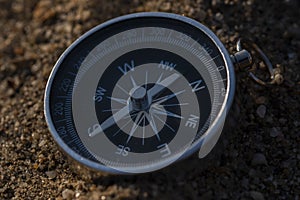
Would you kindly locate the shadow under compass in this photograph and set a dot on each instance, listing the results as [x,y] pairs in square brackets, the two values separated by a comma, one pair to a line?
[184,174]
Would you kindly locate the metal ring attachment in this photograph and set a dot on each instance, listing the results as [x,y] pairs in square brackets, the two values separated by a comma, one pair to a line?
[243,59]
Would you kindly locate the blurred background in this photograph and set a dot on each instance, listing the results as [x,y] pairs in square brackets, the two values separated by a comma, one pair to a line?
[260,156]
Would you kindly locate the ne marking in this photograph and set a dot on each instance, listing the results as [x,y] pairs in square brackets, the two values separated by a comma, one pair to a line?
[192,121]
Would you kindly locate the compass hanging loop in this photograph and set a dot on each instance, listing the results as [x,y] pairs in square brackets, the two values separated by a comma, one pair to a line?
[243,60]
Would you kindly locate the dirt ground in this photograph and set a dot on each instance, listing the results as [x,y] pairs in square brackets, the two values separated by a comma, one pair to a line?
[261,155]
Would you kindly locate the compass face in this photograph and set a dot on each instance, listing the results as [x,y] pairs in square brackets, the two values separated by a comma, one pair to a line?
[139,92]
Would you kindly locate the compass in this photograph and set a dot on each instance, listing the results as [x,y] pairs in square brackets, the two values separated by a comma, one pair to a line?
[139,92]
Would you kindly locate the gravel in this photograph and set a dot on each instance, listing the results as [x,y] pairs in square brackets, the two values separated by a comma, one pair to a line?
[259,157]
[257,195]
[261,111]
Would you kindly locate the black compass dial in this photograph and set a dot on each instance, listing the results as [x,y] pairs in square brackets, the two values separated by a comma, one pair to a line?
[142,143]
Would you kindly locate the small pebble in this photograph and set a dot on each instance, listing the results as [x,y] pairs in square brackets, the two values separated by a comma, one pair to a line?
[261,111]
[297,123]
[35,135]
[259,159]
[282,120]
[42,143]
[77,194]
[260,100]
[214,3]
[257,195]
[275,131]
[68,194]
[292,55]
[219,16]
[51,174]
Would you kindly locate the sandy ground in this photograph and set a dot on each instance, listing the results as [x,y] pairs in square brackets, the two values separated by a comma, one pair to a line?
[260,158]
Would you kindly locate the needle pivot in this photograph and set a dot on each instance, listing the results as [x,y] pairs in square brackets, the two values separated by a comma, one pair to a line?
[139,98]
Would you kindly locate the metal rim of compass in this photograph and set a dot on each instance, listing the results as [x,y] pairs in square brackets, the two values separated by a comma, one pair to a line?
[215,127]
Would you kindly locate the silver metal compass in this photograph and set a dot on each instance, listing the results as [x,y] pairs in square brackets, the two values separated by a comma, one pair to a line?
[141,91]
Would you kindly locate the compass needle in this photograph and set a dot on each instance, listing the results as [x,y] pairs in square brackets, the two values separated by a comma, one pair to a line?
[161,85]
[165,98]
